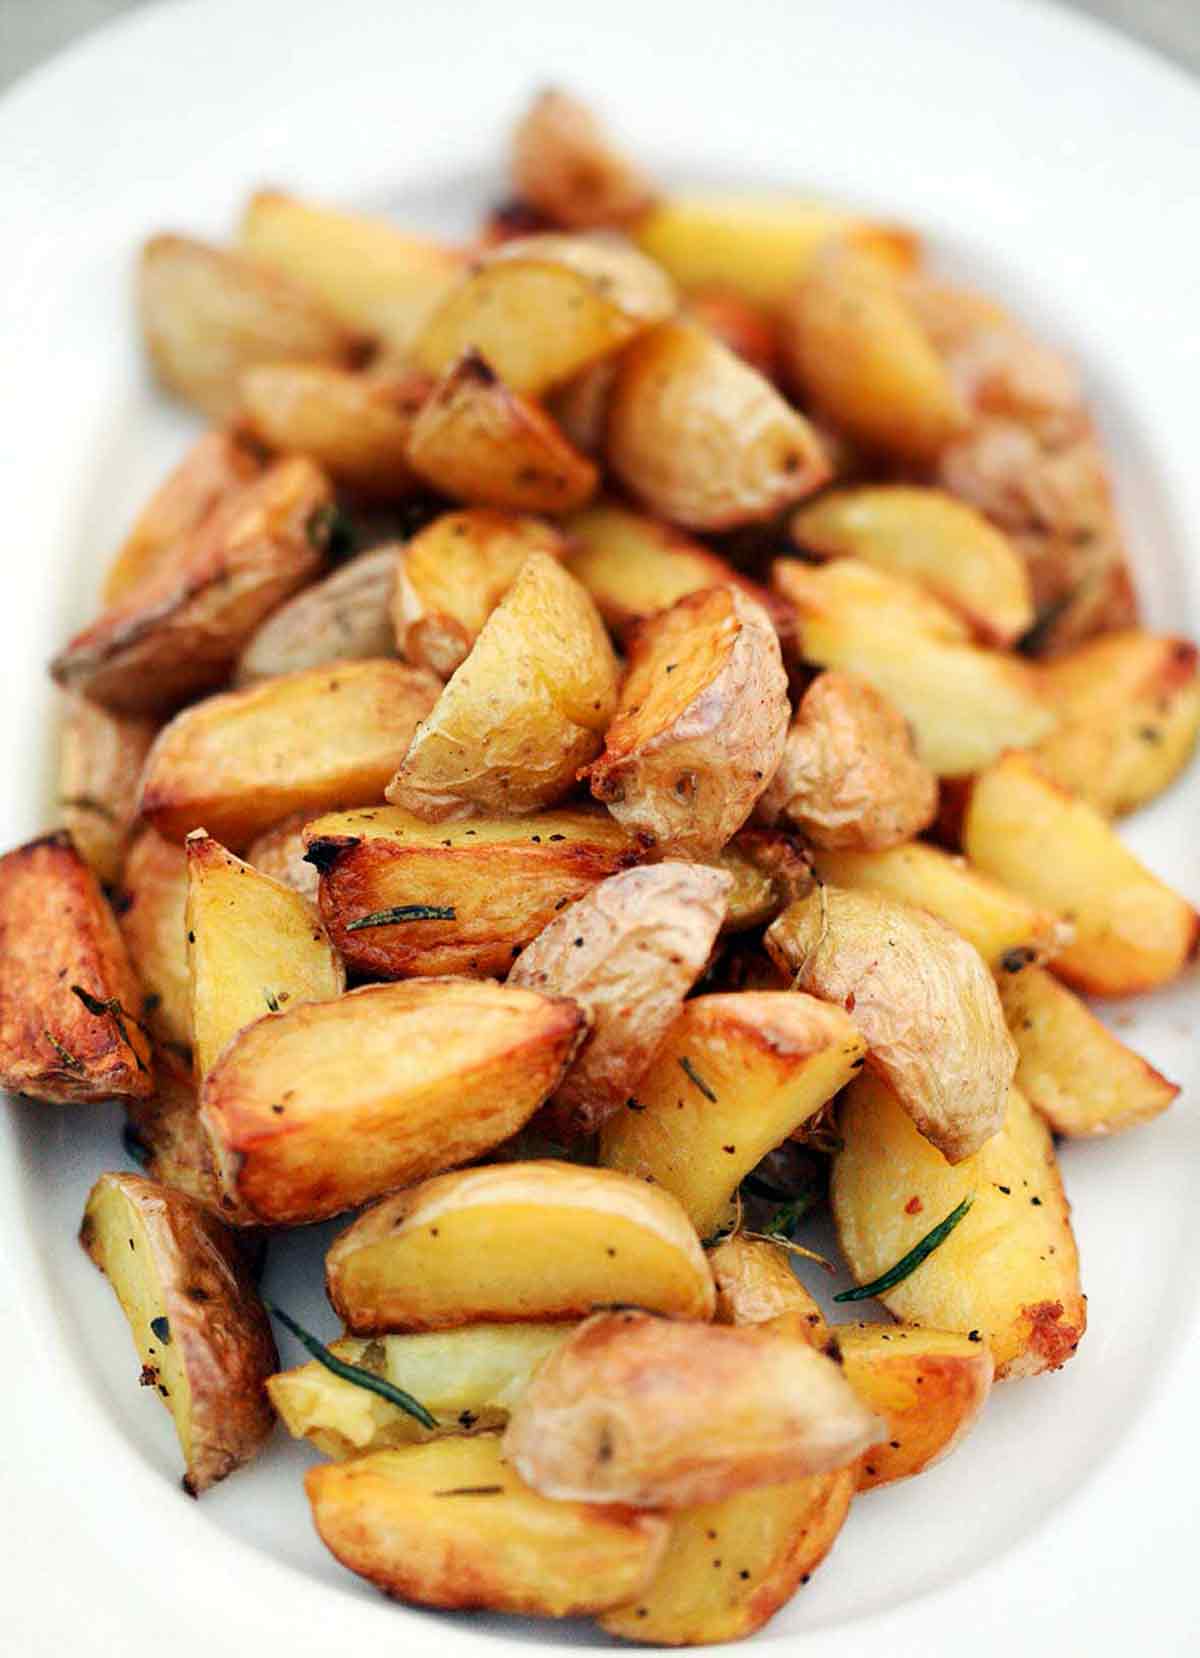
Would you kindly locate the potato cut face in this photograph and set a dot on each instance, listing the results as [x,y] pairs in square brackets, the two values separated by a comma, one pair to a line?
[867,594]
[735,1076]
[1072,1069]
[564,163]
[69,1002]
[346,617]
[379,1088]
[1132,933]
[356,428]
[150,913]
[100,759]
[311,741]
[755,1284]
[1009,1270]
[449,1524]
[254,947]
[471,1246]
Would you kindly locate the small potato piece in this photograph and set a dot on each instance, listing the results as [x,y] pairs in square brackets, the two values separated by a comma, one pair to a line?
[748,330]
[1009,1270]
[700,726]
[756,1284]
[1072,1069]
[928,1385]
[627,952]
[322,738]
[345,618]
[853,590]
[923,999]
[474,1245]
[280,853]
[491,883]
[356,428]
[449,1524]
[703,439]
[254,946]
[100,761]
[524,712]
[737,1074]
[564,164]
[207,314]
[69,1001]
[452,575]
[333,1103]
[1132,933]
[167,1126]
[200,1330]
[769,870]
[179,632]
[850,776]
[931,538]
[150,912]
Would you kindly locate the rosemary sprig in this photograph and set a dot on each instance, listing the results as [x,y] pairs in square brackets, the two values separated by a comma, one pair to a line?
[353,1372]
[70,1060]
[787,1218]
[403,912]
[693,1076]
[470,1491]
[909,1263]
[99,1007]
[792,1247]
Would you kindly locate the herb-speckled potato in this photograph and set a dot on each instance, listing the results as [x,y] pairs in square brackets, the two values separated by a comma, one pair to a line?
[100,759]
[755,1284]
[150,913]
[345,617]
[564,164]
[334,1103]
[355,427]
[474,1245]
[200,1330]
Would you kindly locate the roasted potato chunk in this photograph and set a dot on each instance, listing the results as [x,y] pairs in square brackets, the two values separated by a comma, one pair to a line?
[345,618]
[168,1130]
[769,869]
[322,738]
[69,1002]
[200,1330]
[1009,1271]
[867,596]
[700,725]
[748,330]
[756,1285]
[280,853]
[354,427]
[525,710]
[150,913]
[923,999]
[472,1245]
[565,165]
[100,759]
[333,1103]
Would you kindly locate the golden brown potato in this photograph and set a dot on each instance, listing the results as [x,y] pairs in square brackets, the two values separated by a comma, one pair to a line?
[449,1524]
[580,408]
[524,712]
[356,428]
[701,438]
[69,1001]
[474,1245]
[1009,1271]
[923,999]
[756,1284]
[311,741]
[403,898]
[564,164]
[1070,1067]
[749,330]
[100,759]
[179,632]
[200,1330]
[851,589]
[150,912]
[167,1128]
[280,853]
[206,314]
[769,869]
[700,726]
[345,618]
[452,575]
[736,1075]
[623,1411]
[1132,933]
[627,952]
[850,776]
[333,1103]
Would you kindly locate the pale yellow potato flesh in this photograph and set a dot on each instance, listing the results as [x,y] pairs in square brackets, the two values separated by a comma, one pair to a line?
[852,589]
[100,759]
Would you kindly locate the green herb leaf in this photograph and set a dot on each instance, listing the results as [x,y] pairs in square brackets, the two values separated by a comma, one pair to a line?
[470,1491]
[162,1329]
[785,1220]
[331,532]
[403,912]
[136,1148]
[271,1000]
[909,1263]
[112,1009]
[70,1060]
[690,1072]
[353,1372]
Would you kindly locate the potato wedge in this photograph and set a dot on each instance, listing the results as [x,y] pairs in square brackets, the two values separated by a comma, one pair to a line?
[310,741]
[280,853]
[923,999]
[472,1245]
[1072,1069]
[736,1075]
[627,952]
[206,314]
[756,1284]
[748,330]
[100,759]
[167,1128]
[523,713]
[150,913]
[179,632]
[344,618]
[564,164]
[69,1001]
[200,1330]
[701,438]
[333,1103]
[1009,1271]
[853,590]
[1132,933]
[769,869]
[449,1524]
[452,575]
[700,725]
[929,1386]
[354,427]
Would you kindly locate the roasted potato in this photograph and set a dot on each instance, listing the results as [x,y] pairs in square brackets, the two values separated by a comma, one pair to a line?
[1132,933]
[356,428]
[749,330]
[524,712]
[700,725]
[922,998]
[347,617]
[1008,1272]
[473,1245]
[200,1330]
[769,870]
[100,759]
[310,741]
[280,853]
[756,1284]
[69,1001]
[167,1129]
[580,408]
[867,596]
[150,910]
[333,1103]
[564,164]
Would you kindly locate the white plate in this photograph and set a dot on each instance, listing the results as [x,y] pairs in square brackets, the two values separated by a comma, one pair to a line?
[1053,160]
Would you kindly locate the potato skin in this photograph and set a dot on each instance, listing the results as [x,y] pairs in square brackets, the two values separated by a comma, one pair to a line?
[564,164]
[770,869]
[755,1283]
[353,425]
[345,617]
[100,761]
[167,1126]
[279,853]
[150,913]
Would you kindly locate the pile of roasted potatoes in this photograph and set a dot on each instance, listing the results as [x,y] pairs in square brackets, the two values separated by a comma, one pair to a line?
[609,741]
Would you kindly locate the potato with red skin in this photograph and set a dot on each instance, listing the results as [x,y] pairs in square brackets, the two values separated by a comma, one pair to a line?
[167,1127]
[150,910]
[279,853]
[564,164]
[344,618]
